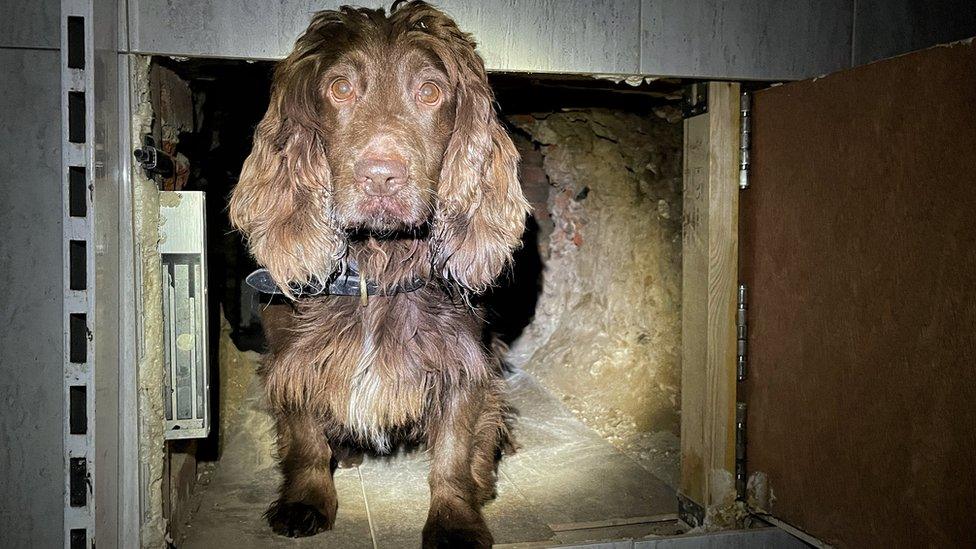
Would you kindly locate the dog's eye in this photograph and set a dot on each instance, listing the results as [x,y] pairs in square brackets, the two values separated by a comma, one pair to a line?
[341,89]
[429,93]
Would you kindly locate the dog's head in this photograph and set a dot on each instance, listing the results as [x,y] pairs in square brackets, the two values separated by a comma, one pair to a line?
[381,124]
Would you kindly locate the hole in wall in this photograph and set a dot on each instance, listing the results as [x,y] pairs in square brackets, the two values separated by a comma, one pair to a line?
[591,304]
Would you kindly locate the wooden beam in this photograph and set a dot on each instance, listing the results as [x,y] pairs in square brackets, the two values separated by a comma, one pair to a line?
[709,277]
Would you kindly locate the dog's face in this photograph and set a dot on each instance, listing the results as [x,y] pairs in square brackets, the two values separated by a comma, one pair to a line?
[384,124]
[388,116]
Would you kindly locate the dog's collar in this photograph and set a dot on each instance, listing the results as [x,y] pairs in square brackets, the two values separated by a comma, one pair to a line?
[348,283]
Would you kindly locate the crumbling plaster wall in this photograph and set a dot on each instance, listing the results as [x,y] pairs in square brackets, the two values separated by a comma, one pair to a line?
[606,187]
[152,446]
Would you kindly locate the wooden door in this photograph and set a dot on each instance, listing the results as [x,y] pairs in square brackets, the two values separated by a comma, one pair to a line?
[858,245]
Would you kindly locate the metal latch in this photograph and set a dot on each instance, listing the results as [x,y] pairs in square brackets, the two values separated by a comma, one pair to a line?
[745,135]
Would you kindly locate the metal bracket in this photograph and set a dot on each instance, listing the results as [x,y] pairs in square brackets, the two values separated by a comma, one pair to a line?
[153,160]
[741,333]
[183,255]
[690,512]
[745,135]
[694,99]
[78,165]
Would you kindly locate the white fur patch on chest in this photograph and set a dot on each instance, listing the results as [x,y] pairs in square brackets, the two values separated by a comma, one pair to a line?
[364,393]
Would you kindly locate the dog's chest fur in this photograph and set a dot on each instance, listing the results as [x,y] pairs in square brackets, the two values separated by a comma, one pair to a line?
[374,371]
[386,385]
[379,370]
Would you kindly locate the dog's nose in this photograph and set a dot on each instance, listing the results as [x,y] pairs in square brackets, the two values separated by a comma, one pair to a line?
[380,176]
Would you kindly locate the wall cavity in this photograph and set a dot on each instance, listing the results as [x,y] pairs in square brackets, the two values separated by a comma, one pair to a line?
[606,189]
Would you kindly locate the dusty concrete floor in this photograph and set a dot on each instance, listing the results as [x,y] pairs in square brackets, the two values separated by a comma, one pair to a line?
[566,484]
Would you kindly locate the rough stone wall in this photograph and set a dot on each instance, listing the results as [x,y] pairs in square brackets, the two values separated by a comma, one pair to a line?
[606,187]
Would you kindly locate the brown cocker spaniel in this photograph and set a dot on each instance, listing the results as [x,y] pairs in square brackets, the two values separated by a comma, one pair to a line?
[382,194]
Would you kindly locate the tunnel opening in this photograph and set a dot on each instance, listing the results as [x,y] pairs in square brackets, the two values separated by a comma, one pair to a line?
[589,314]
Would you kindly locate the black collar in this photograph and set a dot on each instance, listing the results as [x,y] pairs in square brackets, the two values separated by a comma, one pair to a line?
[348,283]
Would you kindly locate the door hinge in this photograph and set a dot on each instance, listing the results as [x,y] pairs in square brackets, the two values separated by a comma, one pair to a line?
[740,449]
[694,99]
[741,334]
[745,134]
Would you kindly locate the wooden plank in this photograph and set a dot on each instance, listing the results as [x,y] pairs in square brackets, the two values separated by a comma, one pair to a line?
[709,251]
[723,251]
[694,308]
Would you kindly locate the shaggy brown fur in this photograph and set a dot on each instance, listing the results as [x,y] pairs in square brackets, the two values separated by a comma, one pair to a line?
[360,158]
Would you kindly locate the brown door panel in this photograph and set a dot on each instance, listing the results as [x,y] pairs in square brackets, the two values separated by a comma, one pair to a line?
[858,244]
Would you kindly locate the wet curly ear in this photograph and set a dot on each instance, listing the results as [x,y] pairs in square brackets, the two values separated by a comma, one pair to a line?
[481,211]
[282,202]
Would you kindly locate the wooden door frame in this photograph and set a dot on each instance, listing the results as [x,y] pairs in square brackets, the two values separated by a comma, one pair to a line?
[709,285]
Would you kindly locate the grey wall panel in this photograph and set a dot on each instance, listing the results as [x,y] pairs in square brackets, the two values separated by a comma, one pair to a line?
[31,457]
[748,39]
[586,36]
[30,23]
[221,28]
[883,28]
[745,39]
[598,36]
[735,39]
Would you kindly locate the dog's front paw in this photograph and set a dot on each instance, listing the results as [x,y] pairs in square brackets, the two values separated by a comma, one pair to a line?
[297,520]
[449,530]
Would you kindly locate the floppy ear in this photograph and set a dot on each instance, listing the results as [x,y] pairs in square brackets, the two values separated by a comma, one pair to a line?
[282,202]
[481,211]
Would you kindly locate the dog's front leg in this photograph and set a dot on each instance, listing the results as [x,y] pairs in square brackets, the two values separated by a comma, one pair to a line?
[454,518]
[307,502]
